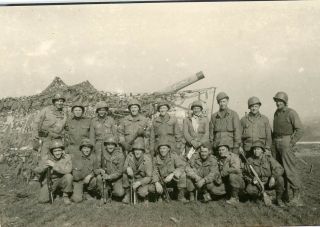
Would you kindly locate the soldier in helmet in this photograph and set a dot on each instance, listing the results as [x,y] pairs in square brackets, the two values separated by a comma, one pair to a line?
[102,126]
[133,127]
[85,171]
[195,127]
[112,164]
[138,171]
[77,128]
[269,171]
[255,126]
[49,125]
[165,127]
[168,169]
[287,131]
[203,174]
[225,125]
[230,171]
[60,166]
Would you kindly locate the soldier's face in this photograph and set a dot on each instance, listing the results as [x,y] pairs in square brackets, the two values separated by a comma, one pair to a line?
[255,108]
[204,152]
[77,111]
[223,103]
[223,151]
[57,153]
[59,104]
[137,153]
[280,104]
[257,151]
[86,150]
[196,110]
[102,112]
[163,150]
[110,147]
[134,110]
[163,110]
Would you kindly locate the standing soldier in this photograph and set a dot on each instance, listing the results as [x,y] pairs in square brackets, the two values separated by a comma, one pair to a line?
[60,166]
[287,130]
[112,164]
[225,125]
[230,171]
[165,126]
[77,128]
[269,171]
[168,171]
[133,127]
[137,172]
[195,127]
[255,126]
[203,174]
[85,171]
[102,126]
[49,125]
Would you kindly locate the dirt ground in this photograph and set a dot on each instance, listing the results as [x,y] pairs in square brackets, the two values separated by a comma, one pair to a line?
[19,207]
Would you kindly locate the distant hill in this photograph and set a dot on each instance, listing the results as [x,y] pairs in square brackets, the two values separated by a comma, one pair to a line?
[312,129]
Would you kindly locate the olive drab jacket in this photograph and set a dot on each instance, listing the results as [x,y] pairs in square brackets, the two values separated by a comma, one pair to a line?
[133,128]
[102,128]
[207,169]
[50,123]
[113,164]
[199,135]
[225,125]
[142,168]
[171,163]
[82,166]
[230,164]
[255,128]
[266,167]
[165,127]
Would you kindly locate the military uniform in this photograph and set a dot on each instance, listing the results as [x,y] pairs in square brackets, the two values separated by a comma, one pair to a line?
[165,127]
[60,174]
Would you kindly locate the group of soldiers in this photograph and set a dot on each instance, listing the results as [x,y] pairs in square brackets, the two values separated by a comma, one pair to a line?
[223,157]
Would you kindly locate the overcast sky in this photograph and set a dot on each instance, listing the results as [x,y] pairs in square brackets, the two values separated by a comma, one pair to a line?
[244,48]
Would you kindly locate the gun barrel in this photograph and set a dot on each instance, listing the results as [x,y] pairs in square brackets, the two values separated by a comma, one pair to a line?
[183,83]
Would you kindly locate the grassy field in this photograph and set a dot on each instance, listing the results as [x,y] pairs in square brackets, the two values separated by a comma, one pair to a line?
[19,207]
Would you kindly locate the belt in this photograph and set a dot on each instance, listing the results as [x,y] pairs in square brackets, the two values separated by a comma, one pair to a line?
[280,136]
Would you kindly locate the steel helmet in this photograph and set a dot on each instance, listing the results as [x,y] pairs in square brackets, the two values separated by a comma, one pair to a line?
[110,140]
[253,100]
[164,142]
[281,96]
[86,143]
[100,105]
[222,95]
[196,103]
[206,144]
[78,104]
[258,143]
[133,102]
[56,144]
[163,103]
[57,97]
[139,145]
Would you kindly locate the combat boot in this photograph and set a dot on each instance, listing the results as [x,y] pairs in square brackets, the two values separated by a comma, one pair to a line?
[234,199]
[66,199]
[279,202]
[126,198]
[296,200]
[181,196]
[206,197]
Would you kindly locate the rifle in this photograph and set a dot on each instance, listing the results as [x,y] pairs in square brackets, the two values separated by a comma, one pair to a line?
[49,184]
[266,198]
[165,189]
[133,193]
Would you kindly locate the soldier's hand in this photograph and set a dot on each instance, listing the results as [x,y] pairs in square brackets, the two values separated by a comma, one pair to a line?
[272,182]
[99,171]
[87,179]
[50,163]
[169,178]
[200,183]
[219,180]
[130,172]
[159,188]
[255,181]
[136,185]
[106,177]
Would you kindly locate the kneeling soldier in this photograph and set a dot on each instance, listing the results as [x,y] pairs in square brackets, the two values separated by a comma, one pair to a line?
[269,171]
[230,172]
[137,171]
[85,170]
[58,168]
[203,174]
[112,164]
[168,171]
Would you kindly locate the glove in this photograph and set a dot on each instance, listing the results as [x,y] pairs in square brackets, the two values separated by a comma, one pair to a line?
[159,188]
[272,182]
[35,144]
[136,185]
[87,179]
[130,172]
[200,183]
[169,178]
